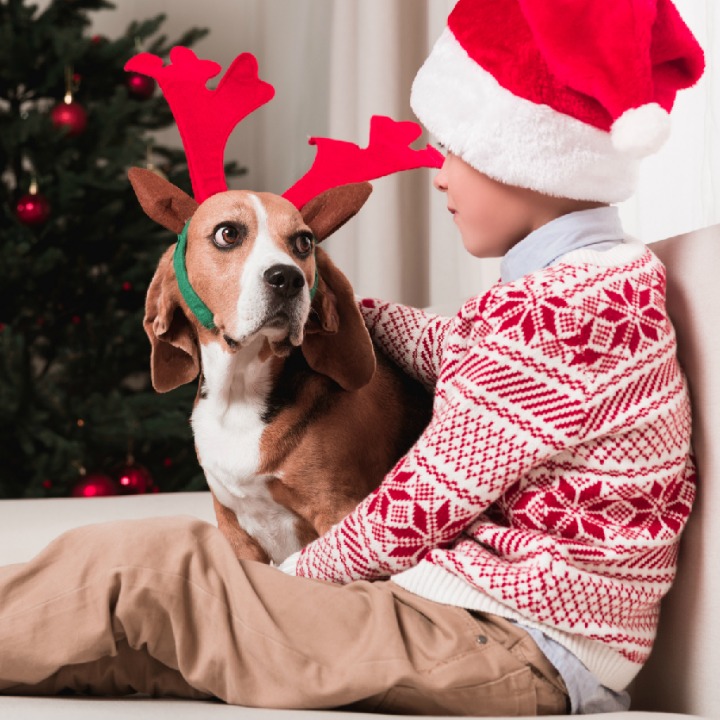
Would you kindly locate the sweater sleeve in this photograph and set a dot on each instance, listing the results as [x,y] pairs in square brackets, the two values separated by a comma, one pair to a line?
[412,338]
[506,407]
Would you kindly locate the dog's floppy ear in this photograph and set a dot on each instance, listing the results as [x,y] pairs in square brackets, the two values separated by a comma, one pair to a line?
[162,201]
[330,210]
[337,343]
[174,358]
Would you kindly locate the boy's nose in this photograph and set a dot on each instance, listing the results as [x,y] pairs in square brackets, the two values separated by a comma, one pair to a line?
[440,180]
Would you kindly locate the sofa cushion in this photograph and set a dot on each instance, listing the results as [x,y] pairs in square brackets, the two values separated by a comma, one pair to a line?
[27,526]
[65,708]
[683,670]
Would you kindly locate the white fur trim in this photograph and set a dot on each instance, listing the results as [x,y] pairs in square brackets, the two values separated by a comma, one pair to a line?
[641,131]
[512,139]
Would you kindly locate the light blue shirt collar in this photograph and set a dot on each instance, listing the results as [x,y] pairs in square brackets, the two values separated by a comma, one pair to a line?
[599,227]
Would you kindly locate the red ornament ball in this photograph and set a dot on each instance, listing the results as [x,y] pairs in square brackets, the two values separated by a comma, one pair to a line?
[70,117]
[95,485]
[141,87]
[33,209]
[135,480]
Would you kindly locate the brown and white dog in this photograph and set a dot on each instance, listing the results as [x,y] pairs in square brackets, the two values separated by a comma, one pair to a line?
[297,416]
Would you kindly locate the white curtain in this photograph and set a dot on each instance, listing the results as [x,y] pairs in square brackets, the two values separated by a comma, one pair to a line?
[402,246]
[335,63]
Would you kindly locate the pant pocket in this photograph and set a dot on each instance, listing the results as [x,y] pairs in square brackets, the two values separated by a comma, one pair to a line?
[511,695]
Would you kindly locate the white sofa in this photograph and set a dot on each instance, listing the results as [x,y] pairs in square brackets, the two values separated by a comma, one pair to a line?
[683,674]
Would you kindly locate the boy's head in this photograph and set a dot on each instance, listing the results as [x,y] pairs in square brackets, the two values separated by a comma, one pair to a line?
[560,97]
[493,216]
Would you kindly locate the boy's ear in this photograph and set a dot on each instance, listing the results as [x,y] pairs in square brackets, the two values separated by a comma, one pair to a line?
[162,201]
[337,343]
[330,210]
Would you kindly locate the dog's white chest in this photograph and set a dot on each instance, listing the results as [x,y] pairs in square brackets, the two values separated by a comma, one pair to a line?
[228,440]
[228,429]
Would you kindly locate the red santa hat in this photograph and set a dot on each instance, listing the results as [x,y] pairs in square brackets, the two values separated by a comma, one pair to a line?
[560,96]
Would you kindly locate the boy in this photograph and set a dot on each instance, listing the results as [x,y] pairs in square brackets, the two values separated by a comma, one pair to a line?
[532,530]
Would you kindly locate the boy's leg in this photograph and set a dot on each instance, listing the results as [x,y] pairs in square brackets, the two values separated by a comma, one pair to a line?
[126,672]
[164,606]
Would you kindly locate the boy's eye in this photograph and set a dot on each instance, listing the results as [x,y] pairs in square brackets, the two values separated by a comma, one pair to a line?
[227,236]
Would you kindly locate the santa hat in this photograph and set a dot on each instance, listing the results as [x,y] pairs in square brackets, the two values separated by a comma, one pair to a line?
[560,96]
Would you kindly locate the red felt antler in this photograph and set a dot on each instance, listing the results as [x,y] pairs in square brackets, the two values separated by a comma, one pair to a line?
[340,163]
[205,117]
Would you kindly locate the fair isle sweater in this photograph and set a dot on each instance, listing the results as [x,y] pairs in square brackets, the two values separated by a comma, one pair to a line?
[554,479]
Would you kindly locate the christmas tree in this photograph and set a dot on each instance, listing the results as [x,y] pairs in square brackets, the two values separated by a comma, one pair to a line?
[78,415]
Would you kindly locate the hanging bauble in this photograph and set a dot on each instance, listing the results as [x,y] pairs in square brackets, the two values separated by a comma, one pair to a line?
[69,116]
[95,485]
[141,87]
[33,208]
[134,479]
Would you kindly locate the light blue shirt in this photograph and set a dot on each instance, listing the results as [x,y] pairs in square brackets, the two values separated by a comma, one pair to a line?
[598,229]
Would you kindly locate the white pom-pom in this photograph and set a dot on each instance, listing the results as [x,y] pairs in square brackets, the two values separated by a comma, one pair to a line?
[641,131]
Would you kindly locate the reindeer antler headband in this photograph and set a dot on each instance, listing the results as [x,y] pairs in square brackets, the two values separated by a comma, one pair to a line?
[206,118]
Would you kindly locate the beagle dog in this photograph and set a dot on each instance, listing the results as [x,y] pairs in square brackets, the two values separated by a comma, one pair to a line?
[298,416]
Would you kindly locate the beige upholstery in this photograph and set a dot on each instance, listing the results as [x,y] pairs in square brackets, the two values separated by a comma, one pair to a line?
[683,674]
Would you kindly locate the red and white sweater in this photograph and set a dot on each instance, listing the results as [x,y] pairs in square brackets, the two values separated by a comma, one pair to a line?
[554,479]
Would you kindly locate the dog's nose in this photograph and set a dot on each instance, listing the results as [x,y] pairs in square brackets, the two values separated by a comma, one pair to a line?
[285,280]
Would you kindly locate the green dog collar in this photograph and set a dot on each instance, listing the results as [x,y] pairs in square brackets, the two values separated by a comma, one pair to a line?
[201,311]
[314,288]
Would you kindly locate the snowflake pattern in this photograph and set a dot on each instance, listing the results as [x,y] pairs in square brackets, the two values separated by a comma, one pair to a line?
[631,314]
[635,314]
[583,540]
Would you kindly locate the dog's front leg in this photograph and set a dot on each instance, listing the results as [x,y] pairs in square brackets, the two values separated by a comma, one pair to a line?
[317,504]
[244,546]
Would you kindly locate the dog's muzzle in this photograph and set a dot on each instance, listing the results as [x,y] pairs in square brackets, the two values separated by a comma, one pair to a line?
[285,313]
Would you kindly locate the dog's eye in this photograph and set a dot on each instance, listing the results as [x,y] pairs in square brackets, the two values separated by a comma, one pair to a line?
[303,243]
[226,236]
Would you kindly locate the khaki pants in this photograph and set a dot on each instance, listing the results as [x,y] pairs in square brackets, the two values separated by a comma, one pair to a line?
[163,607]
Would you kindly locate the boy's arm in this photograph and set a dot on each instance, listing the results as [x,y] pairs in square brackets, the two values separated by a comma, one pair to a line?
[492,430]
[412,338]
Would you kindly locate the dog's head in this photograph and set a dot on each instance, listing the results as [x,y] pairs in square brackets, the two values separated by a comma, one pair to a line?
[252,260]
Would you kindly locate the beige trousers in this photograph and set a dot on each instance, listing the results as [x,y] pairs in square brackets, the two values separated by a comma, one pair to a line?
[163,607]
